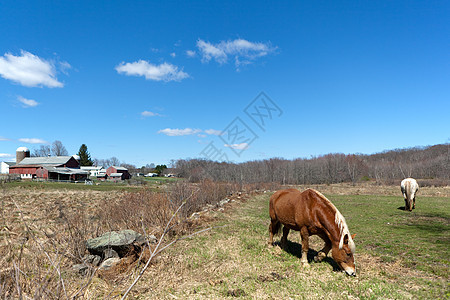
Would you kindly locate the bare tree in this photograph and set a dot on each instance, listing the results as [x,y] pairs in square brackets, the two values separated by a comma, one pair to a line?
[58,149]
[44,150]
[114,161]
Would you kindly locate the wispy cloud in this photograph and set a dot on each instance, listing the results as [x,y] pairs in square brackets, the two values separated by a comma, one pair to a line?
[209,51]
[5,155]
[146,113]
[173,54]
[213,132]
[4,139]
[189,131]
[33,141]
[190,53]
[240,146]
[27,102]
[179,132]
[28,70]
[163,72]
[64,66]
[243,51]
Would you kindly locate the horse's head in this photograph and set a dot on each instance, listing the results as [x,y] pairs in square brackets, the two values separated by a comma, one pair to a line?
[344,256]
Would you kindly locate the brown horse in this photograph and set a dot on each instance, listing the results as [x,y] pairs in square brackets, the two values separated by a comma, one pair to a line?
[312,213]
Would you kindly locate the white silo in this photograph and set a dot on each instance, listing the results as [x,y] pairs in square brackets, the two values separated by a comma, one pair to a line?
[21,153]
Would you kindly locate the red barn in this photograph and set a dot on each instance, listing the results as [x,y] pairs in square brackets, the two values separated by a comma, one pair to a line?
[121,170]
[49,168]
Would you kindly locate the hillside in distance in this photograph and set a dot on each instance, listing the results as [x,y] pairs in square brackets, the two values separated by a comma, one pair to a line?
[430,163]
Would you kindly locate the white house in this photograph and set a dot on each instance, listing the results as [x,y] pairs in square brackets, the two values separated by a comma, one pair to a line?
[4,167]
[94,170]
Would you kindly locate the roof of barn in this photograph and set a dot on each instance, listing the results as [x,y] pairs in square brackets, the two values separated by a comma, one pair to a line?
[47,160]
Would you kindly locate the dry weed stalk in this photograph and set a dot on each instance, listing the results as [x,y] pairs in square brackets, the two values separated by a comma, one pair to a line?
[158,249]
[56,266]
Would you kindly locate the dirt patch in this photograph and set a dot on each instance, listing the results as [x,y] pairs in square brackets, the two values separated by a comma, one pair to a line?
[273,276]
[236,293]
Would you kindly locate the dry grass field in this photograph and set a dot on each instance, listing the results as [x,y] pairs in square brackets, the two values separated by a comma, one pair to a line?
[400,255]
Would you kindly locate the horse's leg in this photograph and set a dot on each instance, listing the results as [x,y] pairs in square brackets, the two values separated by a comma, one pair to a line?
[271,233]
[305,245]
[273,229]
[324,252]
[284,238]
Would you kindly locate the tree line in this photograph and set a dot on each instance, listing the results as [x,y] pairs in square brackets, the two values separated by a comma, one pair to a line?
[432,162]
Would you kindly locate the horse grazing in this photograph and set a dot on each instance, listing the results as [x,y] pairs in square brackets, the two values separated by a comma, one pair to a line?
[312,213]
[409,187]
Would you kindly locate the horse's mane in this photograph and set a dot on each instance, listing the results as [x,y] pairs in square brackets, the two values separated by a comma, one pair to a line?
[339,220]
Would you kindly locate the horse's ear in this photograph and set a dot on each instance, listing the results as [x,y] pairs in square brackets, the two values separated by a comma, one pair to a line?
[353,236]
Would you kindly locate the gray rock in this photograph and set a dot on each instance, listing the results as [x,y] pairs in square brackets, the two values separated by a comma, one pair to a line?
[152,239]
[109,263]
[81,269]
[92,259]
[109,253]
[120,241]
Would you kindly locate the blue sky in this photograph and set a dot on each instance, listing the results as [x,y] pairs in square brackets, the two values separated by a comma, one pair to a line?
[150,82]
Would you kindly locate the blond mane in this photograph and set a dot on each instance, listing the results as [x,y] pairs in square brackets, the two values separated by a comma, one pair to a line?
[339,220]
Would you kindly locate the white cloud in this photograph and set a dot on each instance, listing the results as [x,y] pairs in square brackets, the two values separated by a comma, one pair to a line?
[209,51]
[163,72]
[244,52]
[146,113]
[240,146]
[179,132]
[33,141]
[213,132]
[28,70]
[189,131]
[5,155]
[190,53]
[173,54]
[27,102]
[64,66]
[3,139]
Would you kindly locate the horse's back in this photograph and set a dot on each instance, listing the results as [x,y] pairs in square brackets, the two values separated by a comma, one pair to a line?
[409,186]
[289,206]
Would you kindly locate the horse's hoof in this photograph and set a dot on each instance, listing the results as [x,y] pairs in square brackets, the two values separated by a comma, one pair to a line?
[319,257]
[305,264]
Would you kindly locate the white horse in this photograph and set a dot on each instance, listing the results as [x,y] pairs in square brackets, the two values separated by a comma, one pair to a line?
[409,188]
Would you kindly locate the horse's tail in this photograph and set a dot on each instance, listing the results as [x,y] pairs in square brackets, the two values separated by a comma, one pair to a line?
[275,227]
[275,224]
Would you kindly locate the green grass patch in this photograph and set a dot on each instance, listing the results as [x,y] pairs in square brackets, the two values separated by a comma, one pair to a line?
[102,186]
[160,180]
[419,239]
[234,260]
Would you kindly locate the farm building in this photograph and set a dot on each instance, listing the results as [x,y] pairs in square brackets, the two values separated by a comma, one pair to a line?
[102,176]
[94,170]
[115,177]
[123,171]
[4,167]
[58,168]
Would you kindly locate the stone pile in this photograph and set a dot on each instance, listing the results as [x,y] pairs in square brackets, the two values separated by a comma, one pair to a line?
[110,248]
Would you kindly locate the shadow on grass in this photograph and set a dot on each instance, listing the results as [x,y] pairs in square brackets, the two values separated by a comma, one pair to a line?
[431,222]
[295,249]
